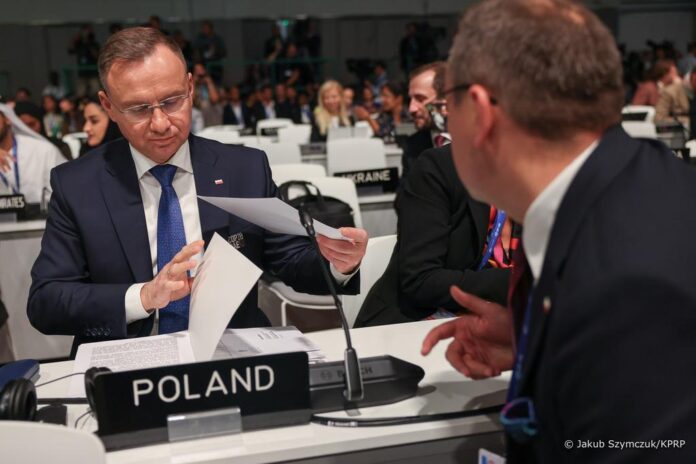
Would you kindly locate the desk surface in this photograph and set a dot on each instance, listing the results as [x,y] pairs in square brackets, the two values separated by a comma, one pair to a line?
[22,226]
[442,390]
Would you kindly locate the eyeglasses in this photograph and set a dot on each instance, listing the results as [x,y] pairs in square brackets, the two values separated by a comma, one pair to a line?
[464,87]
[437,105]
[140,113]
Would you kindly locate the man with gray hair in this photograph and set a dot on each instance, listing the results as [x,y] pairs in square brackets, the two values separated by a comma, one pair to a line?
[599,328]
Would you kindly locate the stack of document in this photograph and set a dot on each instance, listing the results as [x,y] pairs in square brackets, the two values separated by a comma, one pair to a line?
[241,343]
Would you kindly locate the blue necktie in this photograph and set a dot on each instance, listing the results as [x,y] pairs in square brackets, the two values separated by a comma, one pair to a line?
[171,238]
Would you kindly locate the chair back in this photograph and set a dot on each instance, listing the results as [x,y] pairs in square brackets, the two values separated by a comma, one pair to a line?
[374,263]
[298,133]
[32,442]
[345,155]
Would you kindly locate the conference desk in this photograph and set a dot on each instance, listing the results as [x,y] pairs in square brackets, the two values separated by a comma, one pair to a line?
[441,390]
[20,243]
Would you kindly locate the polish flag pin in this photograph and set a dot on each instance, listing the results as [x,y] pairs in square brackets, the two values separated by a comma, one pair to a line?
[219,182]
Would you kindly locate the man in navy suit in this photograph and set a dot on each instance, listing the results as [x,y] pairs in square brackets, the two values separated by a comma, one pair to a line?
[125,224]
[603,314]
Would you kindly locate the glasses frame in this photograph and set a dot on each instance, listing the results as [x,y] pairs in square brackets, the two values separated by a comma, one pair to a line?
[465,87]
[129,112]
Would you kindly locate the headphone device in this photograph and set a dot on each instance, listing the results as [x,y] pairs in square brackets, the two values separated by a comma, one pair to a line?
[18,400]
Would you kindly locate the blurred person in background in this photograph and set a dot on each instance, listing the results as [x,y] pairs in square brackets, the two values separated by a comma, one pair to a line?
[74,119]
[22,95]
[331,111]
[86,50]
[348,99]
[26,158]
[31,115]
[306,113]
[54,86]
[662,74]
[53,121]
[393,112]
[422,93]
[367,100]
[210,48]
[235,112]
[98,127]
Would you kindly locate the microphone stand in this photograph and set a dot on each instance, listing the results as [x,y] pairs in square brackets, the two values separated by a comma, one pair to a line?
[353,375]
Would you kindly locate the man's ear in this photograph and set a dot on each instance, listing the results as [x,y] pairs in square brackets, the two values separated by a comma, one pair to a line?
[190,83]
[106,104]
[484,114]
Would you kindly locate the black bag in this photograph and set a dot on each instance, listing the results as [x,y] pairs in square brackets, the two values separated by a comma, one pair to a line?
[330,211]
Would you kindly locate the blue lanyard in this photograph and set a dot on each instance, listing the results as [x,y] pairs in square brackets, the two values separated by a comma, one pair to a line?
[16,188]
[521,351]
[493,237]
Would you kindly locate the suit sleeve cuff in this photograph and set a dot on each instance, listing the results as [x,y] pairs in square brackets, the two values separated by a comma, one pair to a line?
[134,305]
[342,279]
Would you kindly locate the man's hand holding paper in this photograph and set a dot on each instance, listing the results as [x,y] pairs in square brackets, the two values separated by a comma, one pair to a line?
[173,282]
[344,255]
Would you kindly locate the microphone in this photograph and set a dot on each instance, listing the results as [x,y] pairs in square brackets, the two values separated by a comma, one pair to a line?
[374,381]
[353,376]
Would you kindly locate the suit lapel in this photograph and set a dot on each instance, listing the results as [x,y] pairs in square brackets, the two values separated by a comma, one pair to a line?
[210,181]
[121,192]
[614,152]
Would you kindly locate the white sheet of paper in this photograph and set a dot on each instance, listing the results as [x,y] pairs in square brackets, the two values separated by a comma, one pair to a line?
[222,281]
[272,214]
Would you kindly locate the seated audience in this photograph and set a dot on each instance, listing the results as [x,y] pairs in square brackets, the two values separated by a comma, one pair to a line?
[296,114]
[348,98]
[678,103]
[53,121]
[422,93]
[368,100]
[282,104]
[660,75]
[265,107]
[30,114]
[393,112]
[306,113]
[331,111]
[74,120]
[98,127]
[452,250]
[26,158]
[235,112]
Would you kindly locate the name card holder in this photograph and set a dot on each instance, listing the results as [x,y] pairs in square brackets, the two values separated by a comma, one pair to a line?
[11,206]
[371,181]
[185,401]
[205,424]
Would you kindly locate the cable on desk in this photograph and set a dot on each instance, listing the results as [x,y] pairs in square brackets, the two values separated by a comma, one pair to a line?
[89,411]
[59,378]
[386,421]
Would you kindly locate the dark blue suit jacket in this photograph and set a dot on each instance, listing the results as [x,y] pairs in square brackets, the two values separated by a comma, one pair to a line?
[613,356]
[96,244]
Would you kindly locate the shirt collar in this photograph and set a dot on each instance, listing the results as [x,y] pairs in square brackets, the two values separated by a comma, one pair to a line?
[541,214]
[181,159]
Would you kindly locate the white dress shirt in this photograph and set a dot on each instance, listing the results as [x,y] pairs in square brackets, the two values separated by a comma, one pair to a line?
[237,110]
[539,219]
[270,110]
[185,187]
[35,159]
[151,190]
